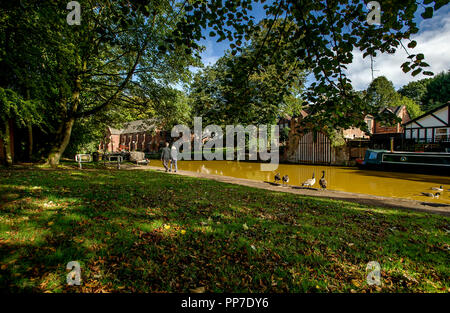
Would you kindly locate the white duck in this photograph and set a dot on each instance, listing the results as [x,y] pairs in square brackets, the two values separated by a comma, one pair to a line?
[309,182]
[440,188]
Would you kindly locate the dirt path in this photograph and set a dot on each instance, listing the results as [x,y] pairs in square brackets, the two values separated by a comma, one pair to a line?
[371,200]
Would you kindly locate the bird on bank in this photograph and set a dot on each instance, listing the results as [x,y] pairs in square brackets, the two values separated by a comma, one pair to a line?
[431,195]
[277,178]
[440,188]
[309,182]
[285,179]
[323,181]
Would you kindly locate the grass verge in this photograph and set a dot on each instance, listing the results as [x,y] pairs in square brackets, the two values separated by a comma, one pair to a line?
[146,231]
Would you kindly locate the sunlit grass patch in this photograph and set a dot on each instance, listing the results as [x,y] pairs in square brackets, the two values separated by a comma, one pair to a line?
[150,231]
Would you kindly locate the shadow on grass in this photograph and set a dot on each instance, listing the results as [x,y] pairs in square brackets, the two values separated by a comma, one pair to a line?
[147,231]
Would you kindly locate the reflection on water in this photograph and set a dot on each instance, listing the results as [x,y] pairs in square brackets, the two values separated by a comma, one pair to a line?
[388,184]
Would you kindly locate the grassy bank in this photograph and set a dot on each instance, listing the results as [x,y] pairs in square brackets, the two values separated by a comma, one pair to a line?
[147,231]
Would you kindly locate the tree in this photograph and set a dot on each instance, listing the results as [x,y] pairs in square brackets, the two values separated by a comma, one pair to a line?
[381,93]
[415,90]
[438,91]
[119,47]
[325,37]
[413,108]
[14,108]
[228,93]
[122,45]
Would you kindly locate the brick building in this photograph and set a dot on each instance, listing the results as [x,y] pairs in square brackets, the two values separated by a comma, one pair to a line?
[399,111]
[140,135]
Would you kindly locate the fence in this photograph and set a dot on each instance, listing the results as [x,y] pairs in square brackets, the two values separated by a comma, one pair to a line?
[314,149]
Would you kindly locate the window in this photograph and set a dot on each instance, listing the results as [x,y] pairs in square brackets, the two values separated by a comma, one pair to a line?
[442,134]
[369,124]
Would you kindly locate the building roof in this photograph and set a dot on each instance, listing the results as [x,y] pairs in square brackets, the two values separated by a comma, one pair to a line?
[114,131]
[395,110]
[139,126]
[135,127]
[428,113]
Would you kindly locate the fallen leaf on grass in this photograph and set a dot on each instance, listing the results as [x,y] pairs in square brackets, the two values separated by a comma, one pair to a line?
[198,290]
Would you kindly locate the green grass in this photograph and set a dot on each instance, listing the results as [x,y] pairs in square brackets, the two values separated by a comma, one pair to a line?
[147,231]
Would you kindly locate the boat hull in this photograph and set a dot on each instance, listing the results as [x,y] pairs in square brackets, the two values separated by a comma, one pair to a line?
[412,162]
[430,170]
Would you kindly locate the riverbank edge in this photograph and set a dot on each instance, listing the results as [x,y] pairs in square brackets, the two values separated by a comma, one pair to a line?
[364,199]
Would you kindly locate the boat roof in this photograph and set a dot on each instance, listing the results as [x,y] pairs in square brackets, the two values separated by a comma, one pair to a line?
[407,152]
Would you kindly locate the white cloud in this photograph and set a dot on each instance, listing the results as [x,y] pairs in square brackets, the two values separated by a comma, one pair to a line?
[433,41]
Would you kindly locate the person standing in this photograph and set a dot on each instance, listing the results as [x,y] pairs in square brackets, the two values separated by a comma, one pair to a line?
[173,158]
[165,156]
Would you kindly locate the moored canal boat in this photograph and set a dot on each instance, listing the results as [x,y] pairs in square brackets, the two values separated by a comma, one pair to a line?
[402,161]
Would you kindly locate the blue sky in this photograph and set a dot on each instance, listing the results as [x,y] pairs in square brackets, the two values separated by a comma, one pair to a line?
[433,40]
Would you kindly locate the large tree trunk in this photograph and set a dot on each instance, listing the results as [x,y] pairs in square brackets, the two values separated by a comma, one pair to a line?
[65,129]
[61,142]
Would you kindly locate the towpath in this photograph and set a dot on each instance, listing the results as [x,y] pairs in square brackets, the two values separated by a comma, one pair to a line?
[371,200]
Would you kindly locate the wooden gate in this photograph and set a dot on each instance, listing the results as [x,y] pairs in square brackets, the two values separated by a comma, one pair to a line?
[316,150]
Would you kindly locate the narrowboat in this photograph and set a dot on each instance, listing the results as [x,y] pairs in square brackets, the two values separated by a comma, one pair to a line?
[415,162]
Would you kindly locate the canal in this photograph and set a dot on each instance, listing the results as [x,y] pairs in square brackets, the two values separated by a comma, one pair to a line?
[387,184]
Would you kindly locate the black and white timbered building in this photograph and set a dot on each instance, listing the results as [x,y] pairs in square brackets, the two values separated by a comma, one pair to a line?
[431,127]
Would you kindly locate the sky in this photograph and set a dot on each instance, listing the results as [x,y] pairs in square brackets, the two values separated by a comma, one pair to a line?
[433,40]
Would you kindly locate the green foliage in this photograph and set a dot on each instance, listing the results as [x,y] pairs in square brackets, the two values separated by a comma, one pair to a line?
[122,55]
[381,93]
[134,51]
[415,90]
[232,91]
[438,91]
[413,108]
[25,112]
[336,137]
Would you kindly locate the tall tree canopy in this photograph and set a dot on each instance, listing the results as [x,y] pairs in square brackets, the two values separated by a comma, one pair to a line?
[121,52]
[438,91]
[415,90]
[324,38]
[227,93]
[381,94]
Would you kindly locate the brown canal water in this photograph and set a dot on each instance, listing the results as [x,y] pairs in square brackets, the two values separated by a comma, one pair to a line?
[387,184]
